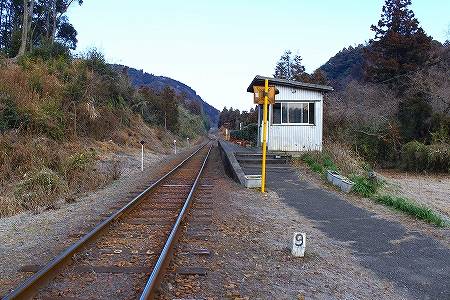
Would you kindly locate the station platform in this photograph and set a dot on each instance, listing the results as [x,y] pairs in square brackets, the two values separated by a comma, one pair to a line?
[244,164]
[416,263]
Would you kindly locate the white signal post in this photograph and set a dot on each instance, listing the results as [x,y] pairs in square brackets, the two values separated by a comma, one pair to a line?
[264,144]
[142,156]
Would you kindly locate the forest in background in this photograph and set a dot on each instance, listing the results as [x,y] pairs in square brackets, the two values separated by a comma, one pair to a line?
[58,112]
[62,117]
[391,98]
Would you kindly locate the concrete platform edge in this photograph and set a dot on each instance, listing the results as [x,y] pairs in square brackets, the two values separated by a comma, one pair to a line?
[231,165]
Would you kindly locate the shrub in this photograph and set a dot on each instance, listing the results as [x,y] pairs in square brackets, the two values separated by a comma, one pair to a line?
[50,51]
[251,133]
[248,133]
[83,173]
[236,134]
[418,157]
[439,158]
[413,157]
[10,116]
[25,62]
[48,120]
[82,160]
[315,166]
[363,186]
[95,61]
[40,188]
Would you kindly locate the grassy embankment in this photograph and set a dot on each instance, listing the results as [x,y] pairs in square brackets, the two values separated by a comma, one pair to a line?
[337,157]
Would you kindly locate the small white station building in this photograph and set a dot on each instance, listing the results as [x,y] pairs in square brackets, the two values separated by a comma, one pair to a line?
[295,120]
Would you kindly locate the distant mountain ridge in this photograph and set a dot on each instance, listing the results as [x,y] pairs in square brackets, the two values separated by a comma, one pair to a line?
[139,78]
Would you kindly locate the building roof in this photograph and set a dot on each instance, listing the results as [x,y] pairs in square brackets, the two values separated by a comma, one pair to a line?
[259,81]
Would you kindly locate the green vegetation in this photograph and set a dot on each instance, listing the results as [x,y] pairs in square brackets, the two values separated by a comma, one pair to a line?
[60,113]
[248,133]
[56,111]
[45,29]
[418,157]
[388,103]
[419,211]
[191,125]
[315,166]
[364,186]
[231,118]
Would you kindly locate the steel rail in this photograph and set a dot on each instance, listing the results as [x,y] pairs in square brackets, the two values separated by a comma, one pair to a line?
[162,262]
[29,288]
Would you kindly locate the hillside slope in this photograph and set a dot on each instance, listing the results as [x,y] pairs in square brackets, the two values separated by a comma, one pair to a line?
[139,78]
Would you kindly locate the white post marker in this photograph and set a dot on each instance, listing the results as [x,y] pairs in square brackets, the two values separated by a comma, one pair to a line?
[188,142]
[175,146]
[142,156]
[298,244]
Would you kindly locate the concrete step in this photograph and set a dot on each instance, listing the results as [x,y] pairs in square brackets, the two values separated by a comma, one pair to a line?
[251,158]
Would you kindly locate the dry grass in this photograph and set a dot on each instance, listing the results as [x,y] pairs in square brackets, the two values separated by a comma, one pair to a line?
[40,188]
[344,157]
[29,88]
[339,157]
[59,136]
[38,172]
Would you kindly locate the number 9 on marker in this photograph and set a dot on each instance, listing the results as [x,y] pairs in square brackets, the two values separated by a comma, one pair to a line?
[298,244]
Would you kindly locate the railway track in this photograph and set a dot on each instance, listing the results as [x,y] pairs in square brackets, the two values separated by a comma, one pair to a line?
[126,256]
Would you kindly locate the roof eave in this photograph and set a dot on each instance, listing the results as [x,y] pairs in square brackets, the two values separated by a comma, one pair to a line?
[259,81]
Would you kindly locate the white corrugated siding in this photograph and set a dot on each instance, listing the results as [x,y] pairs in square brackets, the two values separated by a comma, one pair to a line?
[287,94]
[286,138]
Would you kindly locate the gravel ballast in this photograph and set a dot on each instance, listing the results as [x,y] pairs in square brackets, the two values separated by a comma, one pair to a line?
[249,242]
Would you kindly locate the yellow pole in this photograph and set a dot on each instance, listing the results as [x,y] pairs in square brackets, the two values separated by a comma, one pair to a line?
[264,145]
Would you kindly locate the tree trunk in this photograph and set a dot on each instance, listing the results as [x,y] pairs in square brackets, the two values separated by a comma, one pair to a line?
[57,18]
[23,43]
[55,23]
[26,24]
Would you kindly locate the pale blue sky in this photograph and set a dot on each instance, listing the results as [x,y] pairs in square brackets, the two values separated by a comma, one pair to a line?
[218,47]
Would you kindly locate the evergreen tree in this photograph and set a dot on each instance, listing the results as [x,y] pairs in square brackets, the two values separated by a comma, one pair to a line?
[344,67]
[414,115]
[290,68]
[231,116]
[318,77]
[400,45]
[223,117]
[28,24]
[170,108]
[195,107]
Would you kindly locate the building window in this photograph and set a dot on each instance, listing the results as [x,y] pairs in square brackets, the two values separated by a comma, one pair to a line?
[293,113]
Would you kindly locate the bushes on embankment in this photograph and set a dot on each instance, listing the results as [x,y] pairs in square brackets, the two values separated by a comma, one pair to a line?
[417,157]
